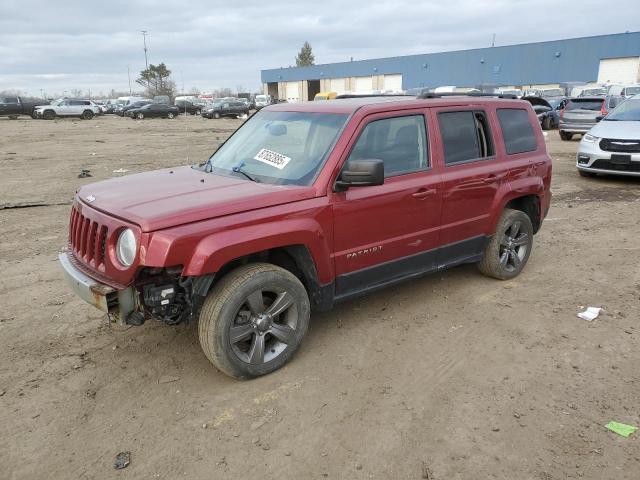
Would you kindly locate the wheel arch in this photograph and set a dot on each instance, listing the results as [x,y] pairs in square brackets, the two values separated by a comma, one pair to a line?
[530,205]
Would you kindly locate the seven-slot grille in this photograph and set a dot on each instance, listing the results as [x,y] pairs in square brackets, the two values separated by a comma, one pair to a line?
[622,146]
[87,239]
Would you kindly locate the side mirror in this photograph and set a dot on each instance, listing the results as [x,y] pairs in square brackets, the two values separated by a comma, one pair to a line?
[599,117]
[360,173]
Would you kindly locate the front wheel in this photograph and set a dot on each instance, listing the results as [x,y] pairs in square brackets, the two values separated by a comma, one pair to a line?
[254,320]
[87,115]
[546,123]
[140,116]
[216,115]
[49,115]
[507,252]
[170,115]
[566,136]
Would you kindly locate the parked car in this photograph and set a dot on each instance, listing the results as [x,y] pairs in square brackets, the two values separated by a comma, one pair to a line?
[306,205]
[13,107]
[262,101]
[122,111]
[579,115]
[547,110]
[102,108]
[613,145]
[625,90]
[224,108]
[325,96]
[185,106]
[545,92]
[153,110]
[67,107]
[588,91]
[511,91]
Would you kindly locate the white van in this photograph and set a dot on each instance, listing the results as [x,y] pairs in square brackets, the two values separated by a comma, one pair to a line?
[625,90]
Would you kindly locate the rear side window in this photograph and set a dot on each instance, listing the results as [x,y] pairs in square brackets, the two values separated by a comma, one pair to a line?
[586,104]
[516,130]
[465,136]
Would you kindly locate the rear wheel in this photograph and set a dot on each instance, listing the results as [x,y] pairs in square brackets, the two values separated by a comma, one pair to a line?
[253,320]
[507,252]
[566,136]
[546,123]
[197,112]
[170,115]
[140,116]
[216,115]
[87,115]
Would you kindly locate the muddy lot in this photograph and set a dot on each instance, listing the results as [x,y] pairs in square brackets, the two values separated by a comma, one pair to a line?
[453,376]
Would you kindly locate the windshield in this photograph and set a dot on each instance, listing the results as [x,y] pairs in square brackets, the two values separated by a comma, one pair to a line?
[631,91]
[628,111]
[58,102]
[552,92]
[594,91]
[281,148]
[577,104]
[555,102]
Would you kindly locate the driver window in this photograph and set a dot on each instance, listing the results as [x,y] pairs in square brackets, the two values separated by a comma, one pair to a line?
[400,142]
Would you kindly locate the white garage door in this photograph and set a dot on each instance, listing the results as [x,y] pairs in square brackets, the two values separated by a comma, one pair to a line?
[393,82]
[292,90]
[338,85]
[619,70]
[364,84]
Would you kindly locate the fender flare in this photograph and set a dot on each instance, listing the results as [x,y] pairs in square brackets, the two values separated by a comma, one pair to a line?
[510,191]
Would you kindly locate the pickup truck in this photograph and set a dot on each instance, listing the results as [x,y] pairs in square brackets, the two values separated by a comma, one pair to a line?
[13,107]
[308,204]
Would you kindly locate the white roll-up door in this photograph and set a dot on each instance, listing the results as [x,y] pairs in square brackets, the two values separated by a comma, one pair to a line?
[393,82]
[364,84]
[293,92]
[619,70]
[338,85]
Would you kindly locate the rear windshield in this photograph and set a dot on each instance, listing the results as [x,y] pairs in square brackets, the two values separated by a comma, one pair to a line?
[586,104]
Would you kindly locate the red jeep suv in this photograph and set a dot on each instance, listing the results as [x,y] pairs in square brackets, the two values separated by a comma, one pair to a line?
[308,204]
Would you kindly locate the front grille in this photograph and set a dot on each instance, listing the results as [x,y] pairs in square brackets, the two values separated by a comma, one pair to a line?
[607,165]
[87,239]
[623,146]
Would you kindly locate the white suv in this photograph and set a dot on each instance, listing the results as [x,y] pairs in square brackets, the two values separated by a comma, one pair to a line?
[68,107]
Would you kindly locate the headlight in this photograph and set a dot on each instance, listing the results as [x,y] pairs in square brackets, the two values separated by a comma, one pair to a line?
[126,248]
[590,138]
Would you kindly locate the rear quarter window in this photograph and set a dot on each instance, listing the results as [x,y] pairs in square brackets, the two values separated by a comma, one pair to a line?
[517,131]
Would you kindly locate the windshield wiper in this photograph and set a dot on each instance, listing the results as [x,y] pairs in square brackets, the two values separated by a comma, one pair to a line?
[238,169]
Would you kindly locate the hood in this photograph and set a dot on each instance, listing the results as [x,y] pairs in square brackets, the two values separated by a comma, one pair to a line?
[170,197]
[537,101]
[618,130]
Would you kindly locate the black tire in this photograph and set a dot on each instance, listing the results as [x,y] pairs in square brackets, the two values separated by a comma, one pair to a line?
[241,301]
[198,112]
[139,116]
[33,115]
[87,115]
[49,115]
[509,248]
[566,136]
[546,123]
[13,117]
[216,115]
[170,115]
[586,174]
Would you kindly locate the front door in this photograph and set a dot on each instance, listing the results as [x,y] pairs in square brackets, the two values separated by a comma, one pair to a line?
[390,231]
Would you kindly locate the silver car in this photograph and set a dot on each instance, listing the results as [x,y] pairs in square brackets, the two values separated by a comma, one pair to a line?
[613,145]
[579,115]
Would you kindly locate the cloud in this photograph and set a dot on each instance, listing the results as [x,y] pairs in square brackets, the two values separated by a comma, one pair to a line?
[57,46]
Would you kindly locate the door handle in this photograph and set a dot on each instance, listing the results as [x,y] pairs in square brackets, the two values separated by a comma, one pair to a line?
[423,193]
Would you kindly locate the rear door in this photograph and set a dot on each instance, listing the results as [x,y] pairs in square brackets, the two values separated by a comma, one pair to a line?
[390,231]
[472,174]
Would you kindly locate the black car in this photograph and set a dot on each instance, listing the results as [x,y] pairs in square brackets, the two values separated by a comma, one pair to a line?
[153,110]
[137,104]
[226,108]
[547,110]
[189,107]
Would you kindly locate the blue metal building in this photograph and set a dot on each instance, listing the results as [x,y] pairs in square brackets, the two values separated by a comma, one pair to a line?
[587,59]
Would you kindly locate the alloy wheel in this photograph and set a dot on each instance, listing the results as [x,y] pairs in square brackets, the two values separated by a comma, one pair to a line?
[513,247]
[264,326]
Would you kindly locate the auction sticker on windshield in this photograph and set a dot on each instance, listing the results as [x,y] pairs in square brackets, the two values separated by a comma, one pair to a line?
[274,159]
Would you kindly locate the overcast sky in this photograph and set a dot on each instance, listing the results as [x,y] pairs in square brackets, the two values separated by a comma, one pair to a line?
[88,44]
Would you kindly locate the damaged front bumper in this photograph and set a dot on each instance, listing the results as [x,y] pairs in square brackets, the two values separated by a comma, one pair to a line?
[119,304]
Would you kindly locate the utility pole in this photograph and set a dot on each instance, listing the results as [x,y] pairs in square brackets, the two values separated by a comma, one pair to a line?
[129,75]
[493,42]
[144,40]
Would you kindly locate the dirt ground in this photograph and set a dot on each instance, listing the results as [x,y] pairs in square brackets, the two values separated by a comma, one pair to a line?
[453,376]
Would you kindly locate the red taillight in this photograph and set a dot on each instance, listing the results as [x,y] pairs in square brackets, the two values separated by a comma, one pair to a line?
[603,109]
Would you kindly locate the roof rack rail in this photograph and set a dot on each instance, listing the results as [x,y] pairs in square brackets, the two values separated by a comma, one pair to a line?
[469,94]
[355,95]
